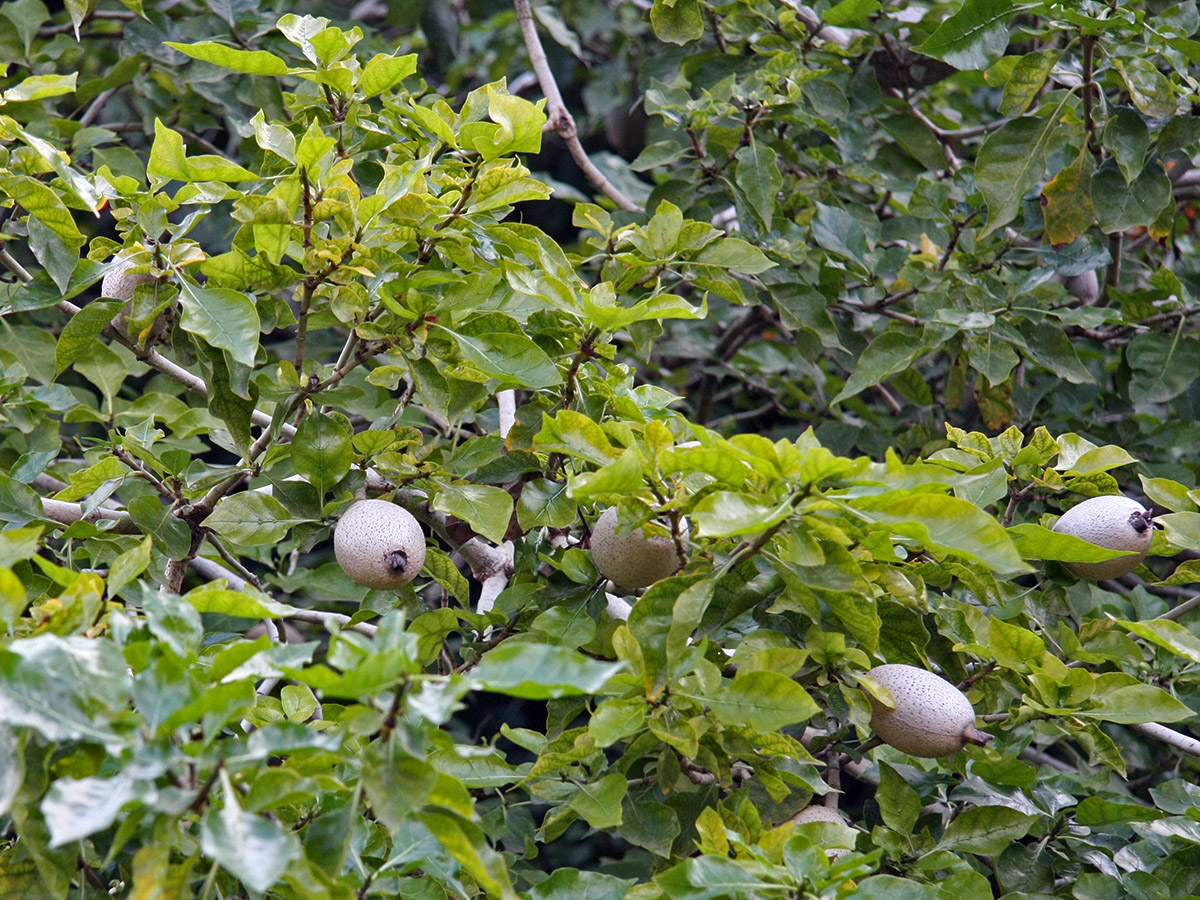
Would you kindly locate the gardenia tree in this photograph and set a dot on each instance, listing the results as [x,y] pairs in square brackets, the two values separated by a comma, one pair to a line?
[851,303]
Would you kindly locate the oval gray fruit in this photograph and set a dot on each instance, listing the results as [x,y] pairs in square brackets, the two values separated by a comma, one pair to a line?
[818,813]
[932,717]
[119,282]
[1114,523]
[379,544]
[631,559]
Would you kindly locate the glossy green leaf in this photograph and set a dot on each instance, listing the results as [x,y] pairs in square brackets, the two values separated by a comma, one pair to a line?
[82,330]
[1127,136]
[1036,542]
[545,503]
[224,318]
[251,62]
[169,161]
[891,352]
[1166,634]
[76,808]
[599,803]
[254,849]
[45,205]
[496,346]
[250,517]
[677,21]
[850,12]
[209,599]
[485,508]
[710,877]
[759,178]
[39,87]
[1137,703]
[1011,161]
[1121,206]
[762,700]
[1149,90]
[322,451]
[573,884]
[987,830]
[972,37]
[943,523]
[382,73]
[1026,80]
[540,671]
[517,127]
[725,514]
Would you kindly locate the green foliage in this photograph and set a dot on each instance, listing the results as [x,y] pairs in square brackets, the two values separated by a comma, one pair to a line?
[878,294]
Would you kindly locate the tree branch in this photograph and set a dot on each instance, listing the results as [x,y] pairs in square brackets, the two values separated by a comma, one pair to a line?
[557,115]
[1188,745]
[68,513]
[207,568]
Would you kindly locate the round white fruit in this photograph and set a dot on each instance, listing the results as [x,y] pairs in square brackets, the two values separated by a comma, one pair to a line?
[824,814]
[379,544]
[119,282]
[818,814]
[631,559]
[931,718]
[1114,523]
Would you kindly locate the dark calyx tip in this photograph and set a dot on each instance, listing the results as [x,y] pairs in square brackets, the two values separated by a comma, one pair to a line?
[973,735]
[1142,521]
[397,561]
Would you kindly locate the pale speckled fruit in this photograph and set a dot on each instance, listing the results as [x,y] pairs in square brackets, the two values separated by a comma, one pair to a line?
[631,559]
[932,717]
[1115,523]
[379,544]
[823,814]
[119,283]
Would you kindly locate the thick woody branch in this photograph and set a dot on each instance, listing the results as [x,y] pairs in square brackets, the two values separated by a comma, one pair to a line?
[491,567]
[618,608]
[507,401]
[1179,741]
[67,513]
[556,111]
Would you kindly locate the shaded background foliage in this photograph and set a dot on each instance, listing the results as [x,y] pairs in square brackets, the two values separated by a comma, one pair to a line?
[955,240]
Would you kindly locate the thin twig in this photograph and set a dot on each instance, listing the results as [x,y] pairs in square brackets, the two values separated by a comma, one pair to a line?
[557,115]
[212,570]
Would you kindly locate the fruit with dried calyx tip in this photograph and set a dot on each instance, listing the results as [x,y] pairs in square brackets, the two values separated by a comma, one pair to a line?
[931,717]
[379,544]
[1113,522]
[631,559]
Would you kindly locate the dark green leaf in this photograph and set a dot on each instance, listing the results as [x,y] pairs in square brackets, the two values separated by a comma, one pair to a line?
[677,21]
[973,37]
[322,451]
[540,671]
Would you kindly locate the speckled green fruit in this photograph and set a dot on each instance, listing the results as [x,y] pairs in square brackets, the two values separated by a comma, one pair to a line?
[379,544]
[932,717]
[1114,523]
[824,814]
[631,559]
[119,282]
